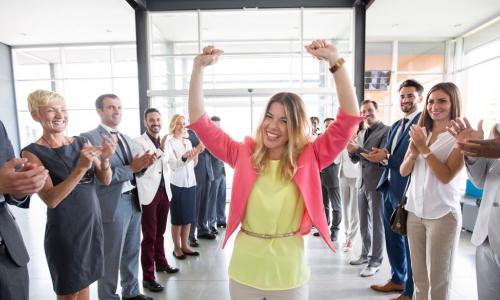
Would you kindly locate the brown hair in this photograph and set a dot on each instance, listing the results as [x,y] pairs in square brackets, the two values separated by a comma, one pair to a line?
[297,126]
[450,89]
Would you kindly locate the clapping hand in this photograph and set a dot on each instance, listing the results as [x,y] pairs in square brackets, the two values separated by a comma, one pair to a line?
[418,137]
[87,155]
[463,131]
[489,148]
[376,155]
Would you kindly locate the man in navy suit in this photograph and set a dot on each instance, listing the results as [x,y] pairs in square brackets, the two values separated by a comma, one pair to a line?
[392,186]
[18,179]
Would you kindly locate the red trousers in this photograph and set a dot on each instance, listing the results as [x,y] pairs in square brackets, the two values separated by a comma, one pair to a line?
[154,223]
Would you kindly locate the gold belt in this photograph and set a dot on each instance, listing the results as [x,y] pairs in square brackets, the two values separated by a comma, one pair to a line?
[268,236]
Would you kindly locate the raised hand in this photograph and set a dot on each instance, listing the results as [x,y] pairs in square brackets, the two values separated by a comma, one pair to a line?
[463,131]
[28,179]
[322,50]
[209,56]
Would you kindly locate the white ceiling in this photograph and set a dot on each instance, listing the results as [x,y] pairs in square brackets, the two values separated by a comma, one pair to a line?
[35,22]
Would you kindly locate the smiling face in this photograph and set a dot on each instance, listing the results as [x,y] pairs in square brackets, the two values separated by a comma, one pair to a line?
[370,113]
[409,99]
[180,126]
[439,106]
[111,112]
[275,129]
[153,123]
[53,117]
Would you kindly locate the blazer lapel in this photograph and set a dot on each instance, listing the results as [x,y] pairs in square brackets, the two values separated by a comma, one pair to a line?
[407,130]
[104,132]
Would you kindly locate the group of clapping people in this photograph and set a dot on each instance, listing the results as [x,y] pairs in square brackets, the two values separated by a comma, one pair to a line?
[101,188]
[94,185]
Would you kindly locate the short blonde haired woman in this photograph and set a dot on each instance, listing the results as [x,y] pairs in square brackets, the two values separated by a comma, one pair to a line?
[73,234]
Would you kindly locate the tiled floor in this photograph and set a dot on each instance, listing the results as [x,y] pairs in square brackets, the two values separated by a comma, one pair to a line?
[205,277]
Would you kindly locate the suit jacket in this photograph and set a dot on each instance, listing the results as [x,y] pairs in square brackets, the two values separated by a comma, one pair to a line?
[370,172]
[9,230]
[485,173]
[314,157]
[148,183]
[204,165]
[397,183]
[110,195]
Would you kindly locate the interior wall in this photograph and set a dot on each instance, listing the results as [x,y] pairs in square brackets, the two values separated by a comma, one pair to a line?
[8,111]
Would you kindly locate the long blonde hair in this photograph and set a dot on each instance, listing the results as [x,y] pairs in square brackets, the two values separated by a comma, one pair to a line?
[173,123]
[297,126]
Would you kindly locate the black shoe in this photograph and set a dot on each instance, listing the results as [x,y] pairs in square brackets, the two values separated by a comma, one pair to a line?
[181,257]
[316,233]
[191,253]
[167,269]
[333,236]
[194,243]
[214,230]
[221,225]
[138,297]
[152,285]
[206,236]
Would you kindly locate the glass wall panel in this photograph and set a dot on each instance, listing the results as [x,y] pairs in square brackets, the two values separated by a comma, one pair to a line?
[421,57]
[87,62]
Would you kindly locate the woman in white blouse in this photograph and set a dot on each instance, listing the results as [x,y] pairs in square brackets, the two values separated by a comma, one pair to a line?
[434,216]
[182,159]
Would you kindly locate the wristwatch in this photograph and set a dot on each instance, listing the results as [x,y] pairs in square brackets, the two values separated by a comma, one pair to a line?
[425,155]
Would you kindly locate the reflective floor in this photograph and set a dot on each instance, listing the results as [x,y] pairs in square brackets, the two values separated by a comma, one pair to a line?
[205,277]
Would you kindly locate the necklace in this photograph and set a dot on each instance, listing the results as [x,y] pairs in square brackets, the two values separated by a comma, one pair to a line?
[87,177]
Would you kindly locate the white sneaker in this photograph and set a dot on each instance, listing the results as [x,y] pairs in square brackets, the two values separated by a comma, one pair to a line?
[369,271]
[347,247]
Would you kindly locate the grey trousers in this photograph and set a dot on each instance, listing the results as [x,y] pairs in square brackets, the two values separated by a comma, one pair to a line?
[487,272]
[121,252]
[240,291]
[14,280]
[371,226]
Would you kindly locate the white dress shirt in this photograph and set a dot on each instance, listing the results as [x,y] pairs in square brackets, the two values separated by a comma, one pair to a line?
[428,197]
[182,174]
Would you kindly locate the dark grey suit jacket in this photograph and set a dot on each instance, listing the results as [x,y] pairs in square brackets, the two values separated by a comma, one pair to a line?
[9,230]
[110,195]
[370,172]
[330,175]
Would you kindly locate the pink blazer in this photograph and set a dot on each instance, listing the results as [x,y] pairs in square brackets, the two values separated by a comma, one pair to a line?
[315,156]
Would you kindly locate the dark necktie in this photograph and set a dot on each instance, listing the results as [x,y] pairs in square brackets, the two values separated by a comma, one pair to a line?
[367,133]
[122,147]
[403,124]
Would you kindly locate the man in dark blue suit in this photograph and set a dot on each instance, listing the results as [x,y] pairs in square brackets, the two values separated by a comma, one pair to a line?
[392,186]
[204,177]
[18,179]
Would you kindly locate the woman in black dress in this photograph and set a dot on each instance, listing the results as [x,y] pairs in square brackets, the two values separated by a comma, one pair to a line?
[73,234]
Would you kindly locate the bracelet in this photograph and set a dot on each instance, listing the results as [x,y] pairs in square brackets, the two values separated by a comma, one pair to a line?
[337,65]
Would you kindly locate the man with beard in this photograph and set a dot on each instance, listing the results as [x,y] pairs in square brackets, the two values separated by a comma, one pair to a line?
[392,186]
[154,194]
[369,199]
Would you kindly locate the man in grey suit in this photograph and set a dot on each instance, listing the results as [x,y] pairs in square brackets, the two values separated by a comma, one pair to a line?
[18,179]
[120,208]
[370,202]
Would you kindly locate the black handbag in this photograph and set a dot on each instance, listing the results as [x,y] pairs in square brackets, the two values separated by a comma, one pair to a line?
[400,214]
